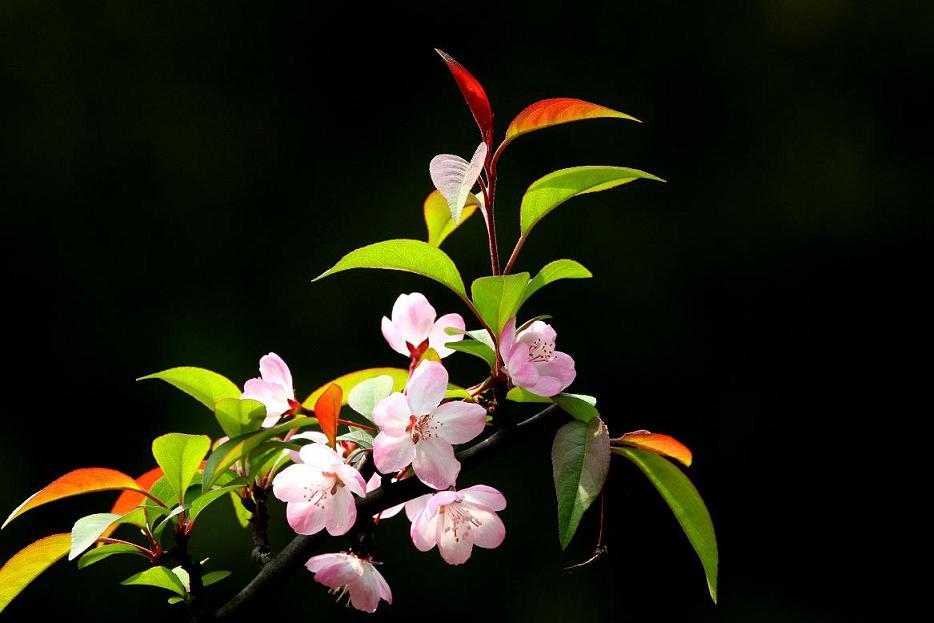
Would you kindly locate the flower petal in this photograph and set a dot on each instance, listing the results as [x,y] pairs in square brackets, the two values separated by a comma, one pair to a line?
[319,456]
[274,370]
[321,561]
[390,454]
[413,316]
[395,339]
[413,508]
[340,512]
[305,517]
[435,464]
[352,479]
[454,549]
[272,395]
[485,496]
[424,532]
[291,484]
[392,414]
[438,337]
[338,570]
[507,338]
[459,421]
[384,591]
[426,387]
[491,531]
[364,592]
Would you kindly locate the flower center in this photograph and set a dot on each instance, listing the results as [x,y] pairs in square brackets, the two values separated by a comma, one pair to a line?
[421,427]
[459,520]
[318,493]
[541,351]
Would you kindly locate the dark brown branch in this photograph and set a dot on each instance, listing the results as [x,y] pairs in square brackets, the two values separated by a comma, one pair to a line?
[300,549]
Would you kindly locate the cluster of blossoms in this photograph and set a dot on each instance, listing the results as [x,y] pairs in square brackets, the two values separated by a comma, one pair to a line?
[418,428]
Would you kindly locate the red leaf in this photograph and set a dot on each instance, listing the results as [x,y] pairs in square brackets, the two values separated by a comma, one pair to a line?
[86,480]
[327,410]
[556,111]
[129,500]
[658,444]
[475,96]
[28,563]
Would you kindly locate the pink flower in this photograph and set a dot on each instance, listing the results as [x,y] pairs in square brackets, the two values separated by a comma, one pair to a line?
[415,430]
[531,360]
[344,573]
[456,521]
[273,389]
[373,484]
[313,436]
[318,491]
[413,328]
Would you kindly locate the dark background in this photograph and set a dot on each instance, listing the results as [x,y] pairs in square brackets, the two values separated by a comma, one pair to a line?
[172,177]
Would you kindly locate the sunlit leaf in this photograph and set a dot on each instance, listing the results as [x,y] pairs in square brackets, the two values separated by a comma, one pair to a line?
[28,563]
[106,551]
[498,298]
[205,386]
[206,499]
[237,416]
[179,455]
[240,512]
[350,380]
[578,406]
[366,394]
[686,504]
[580,458]
[160,577]
[454,178]
[328,409]
[87,530]
[553,271]
[358,436]
[128,500]
[547,193]
[213,577]
[518,394]
[658,444]
[475,348]
[558,110]
[474,95]
[77,482]
[412,256]
[438,219]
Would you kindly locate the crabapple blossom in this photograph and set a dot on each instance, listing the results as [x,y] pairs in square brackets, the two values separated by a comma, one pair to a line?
[413,328]
[455,521]
[531,360]
[311,435]
[348,573]
[373,484]
[416,429]
[319,491]
[273,388]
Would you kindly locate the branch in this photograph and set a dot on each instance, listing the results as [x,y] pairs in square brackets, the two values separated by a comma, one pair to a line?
[299,550]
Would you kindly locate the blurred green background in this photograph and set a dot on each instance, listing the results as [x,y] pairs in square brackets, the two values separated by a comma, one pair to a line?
[172,175]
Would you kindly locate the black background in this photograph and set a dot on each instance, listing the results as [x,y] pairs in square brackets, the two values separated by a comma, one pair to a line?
[173,174]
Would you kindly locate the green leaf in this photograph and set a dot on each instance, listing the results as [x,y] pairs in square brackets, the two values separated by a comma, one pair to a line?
[206,499]
[241,447]
[350,380]
[242,514]
[580,459]
[686,503]
[28,563]
[358,436]
[98,554]
[438,216]
[553,271]
[517,394]
[180,455]
[498,298]
[578,406]
[364,396]
[87,530]
[160,577]
[205,386]
[175,600]
[547,193]
[238,416]
[214,577]
[475,348]
[412,256]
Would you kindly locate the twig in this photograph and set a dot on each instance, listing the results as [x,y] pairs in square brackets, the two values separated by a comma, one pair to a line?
[299,550]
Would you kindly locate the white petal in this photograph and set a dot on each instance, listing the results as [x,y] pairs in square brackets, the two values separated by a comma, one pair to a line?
[392,414]
[393,337]
[291,484]
[426,387]
[305,517]
[424,532]
[319,456]
[414,507]
[435,464]
[491,531]
[274,370]
[390,454]
[412,316]
[459,421]
[438,337]
[340,512]
[485,496]
[455,549]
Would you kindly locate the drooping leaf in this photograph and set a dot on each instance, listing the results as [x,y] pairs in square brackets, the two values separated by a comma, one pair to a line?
[547,193]
[180,455]
[328,410]
[498,298]
[412,256]
[580,458]
[237,416]
[578,406]
[474,94]
[86,480]
[241,447]
[455,178]
[553,271]
[87,530]
[365,395]
[205,386]
[26,565]
[475,348]
[438,219]
[206,499]
[686,504]
[558,110]
[350,380]
[213,577]
[98,554]
[160,577]
[658,444]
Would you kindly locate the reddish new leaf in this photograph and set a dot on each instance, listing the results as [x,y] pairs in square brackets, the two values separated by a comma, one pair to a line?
[86,480]
[327,410]
[658,444]
[28,563]
[129,500]
[556,111]
[475,96]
